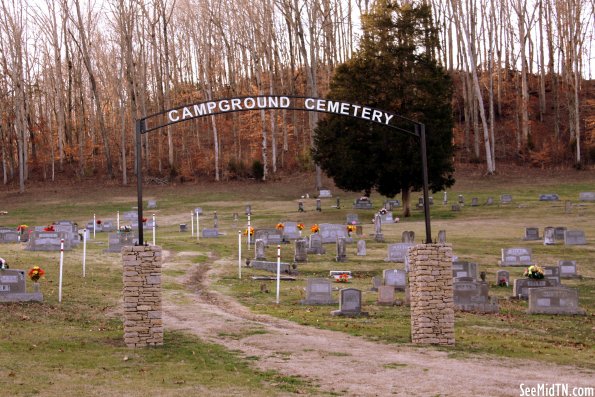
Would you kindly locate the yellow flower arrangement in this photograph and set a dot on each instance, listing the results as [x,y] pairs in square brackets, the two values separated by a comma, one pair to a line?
[314,228]
[250,229]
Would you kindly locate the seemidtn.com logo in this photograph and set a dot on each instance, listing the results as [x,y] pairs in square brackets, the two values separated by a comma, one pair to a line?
[555,390]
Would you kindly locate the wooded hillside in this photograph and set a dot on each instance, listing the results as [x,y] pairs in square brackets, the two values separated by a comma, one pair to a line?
[74,80]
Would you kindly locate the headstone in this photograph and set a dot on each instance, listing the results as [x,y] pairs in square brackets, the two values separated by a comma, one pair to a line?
[461,199]
[271,266]
[408,236]
[9,236]
[301,250]
[318,205]
[503,278]
[462,269]
[574,237]
[567,269]
[108,226]
[341,250]
[324,193]
[300,206]
[259,246]
[270,236]
[198,211]
[338,204]
[531,234]
[586,196]
[290,231]
[552,273]
[445,198]
[387,217]
[521,286]
[386,295]
[518,256]
[455,207]
[559,233]
[315,245]
[378,236]
[376,282]
[490,201]
[210,233]
[183,228]
[395,278]
[13,287]
[549,197]
[549,234]
[48,241]
[442,237]
[129,216]
[352,219]
[554,300]
[235,218]
[391,204]
[350,303]
[474,202]
[331,231]
[362,203]
[361,248]
[152,204]
[359,230]
[215,220]
[248,210]
[98,226]
[505,198]
[472,296]
[116,241]
[318,292]
[397,252]
[567,206]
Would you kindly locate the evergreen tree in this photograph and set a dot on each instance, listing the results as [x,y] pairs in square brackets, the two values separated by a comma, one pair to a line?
[395,69]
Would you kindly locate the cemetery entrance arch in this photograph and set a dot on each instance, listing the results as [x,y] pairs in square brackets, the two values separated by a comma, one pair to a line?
[299,103]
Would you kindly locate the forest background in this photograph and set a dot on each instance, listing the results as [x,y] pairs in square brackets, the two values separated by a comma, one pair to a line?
[76,75]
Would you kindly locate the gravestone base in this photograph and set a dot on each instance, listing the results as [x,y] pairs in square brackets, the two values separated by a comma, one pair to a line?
[349,314]
[22,297]
[379,238]
[484,308]
[271,266]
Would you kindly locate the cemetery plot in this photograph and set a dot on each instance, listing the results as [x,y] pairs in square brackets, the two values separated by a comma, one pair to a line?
[48,241]
[554,300]
[574,237]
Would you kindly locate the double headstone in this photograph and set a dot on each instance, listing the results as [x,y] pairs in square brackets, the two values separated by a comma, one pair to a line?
[397,252]
[462,269]
[48,241]
[9,236]
[270,236]
[472,296]
[518,256]
[331,231]
[362,204]
[210,232]
[549,197]
[522,286]
[505,199]
[324,193]
[554,300]
[586,196]
[574,237]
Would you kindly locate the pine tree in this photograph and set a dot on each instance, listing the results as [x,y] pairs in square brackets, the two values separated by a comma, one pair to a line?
[395,69]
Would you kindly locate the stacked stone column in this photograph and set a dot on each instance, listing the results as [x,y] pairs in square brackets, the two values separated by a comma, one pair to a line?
[143,324]
[431,294]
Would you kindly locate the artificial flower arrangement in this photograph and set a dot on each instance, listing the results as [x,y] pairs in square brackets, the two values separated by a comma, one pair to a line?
[342,278]
[144,220]
[300,226]
[49,228]
[249,230]
[22,228]
[534,271]
[98,221]
[502,283]
[351,228]
[280,226]
[315,228]
[125,229]
[35,273]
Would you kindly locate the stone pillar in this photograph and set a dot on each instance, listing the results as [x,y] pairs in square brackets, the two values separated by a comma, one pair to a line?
[143,324]
[431,294]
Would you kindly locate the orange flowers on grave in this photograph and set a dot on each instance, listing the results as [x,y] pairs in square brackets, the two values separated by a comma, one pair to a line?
[35,273]
[49,228]
[315,228]
[280,226]
[300,226]
[249,230]
[342,278]
[351,229]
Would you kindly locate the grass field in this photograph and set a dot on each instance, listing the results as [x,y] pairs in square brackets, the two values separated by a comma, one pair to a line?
[78,344]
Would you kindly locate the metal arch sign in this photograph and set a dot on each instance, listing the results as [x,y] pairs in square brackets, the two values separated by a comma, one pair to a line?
[277,102]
